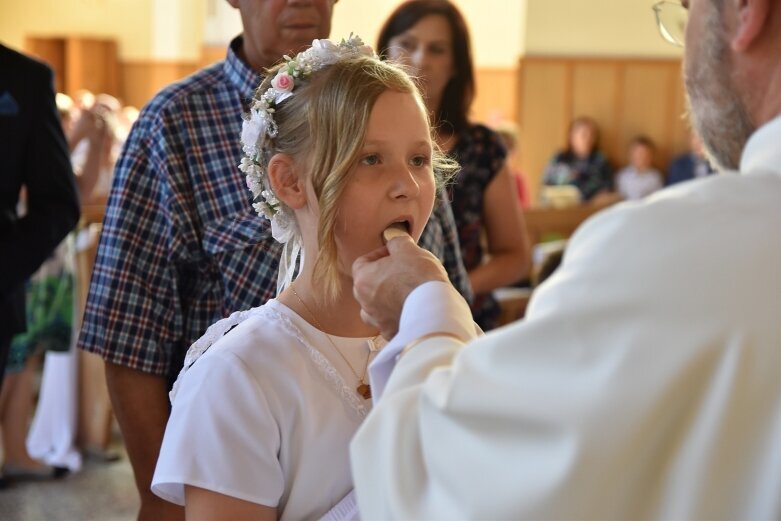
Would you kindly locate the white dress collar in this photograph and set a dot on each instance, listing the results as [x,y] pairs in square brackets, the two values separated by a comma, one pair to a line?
[762,152]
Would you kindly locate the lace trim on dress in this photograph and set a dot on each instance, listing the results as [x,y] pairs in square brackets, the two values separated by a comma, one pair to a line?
[200,346]
[221,327]
[325,367]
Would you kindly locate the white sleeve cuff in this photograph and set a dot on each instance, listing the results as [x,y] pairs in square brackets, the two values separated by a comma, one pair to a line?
[433,307]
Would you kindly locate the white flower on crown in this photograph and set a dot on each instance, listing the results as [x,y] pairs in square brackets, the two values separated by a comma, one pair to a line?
[324,52]
[251,130]
[260,125]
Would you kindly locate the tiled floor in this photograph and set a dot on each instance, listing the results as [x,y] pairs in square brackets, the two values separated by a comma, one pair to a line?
[100,492]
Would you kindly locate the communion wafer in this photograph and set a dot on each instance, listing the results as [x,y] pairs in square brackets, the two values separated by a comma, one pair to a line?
[394,230]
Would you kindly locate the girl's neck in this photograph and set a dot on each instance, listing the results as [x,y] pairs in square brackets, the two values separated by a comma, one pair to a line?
[340,317]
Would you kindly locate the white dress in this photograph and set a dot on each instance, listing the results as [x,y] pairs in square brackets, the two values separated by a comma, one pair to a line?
[266,415]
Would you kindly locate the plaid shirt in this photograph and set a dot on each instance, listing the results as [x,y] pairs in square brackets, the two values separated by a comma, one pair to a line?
[181,245]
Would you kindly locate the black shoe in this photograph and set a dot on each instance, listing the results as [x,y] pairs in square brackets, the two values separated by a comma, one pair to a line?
[18,473]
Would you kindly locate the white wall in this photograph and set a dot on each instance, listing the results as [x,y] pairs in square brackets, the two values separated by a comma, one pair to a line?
[222,22]
[496,26]
[594,27]
[129,22]
[177,29]
[501,30]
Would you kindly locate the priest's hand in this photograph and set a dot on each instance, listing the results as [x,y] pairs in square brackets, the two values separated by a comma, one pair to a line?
[384,278]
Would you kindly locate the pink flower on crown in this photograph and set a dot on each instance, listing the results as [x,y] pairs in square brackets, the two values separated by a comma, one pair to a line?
[283,82]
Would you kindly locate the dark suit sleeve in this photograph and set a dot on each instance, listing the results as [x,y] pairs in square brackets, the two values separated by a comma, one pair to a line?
[52,198]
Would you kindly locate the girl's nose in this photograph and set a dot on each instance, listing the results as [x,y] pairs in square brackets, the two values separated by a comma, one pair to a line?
[405,185]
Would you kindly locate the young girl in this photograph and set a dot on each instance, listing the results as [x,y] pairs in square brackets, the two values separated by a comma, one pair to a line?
[338,149]
[431,38]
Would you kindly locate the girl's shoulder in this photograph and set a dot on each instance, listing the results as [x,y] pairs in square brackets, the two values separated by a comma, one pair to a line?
[260,338]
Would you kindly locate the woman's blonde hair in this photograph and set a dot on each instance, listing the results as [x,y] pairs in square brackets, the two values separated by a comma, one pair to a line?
[323,125]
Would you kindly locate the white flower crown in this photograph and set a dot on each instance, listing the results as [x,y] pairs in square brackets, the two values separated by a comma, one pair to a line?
[259,128]
[259,124]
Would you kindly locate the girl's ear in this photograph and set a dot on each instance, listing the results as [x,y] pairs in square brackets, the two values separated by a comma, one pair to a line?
[287,185]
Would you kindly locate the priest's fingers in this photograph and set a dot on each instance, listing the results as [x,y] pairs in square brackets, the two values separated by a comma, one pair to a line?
[401,244]
[369,320]
[372,256]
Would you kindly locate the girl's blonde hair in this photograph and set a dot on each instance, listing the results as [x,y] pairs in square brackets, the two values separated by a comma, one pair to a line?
[323,126]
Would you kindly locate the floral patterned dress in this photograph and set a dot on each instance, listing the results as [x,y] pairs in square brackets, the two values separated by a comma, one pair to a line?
[49,305]
[481,154]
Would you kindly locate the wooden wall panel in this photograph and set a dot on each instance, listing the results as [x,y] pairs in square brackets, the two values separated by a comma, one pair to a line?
[496,95]
[140,81]
[680,135]
[545,108]
[78,62]
[92,65]
[595,92]
[625,96]
[646,106]
[51,51]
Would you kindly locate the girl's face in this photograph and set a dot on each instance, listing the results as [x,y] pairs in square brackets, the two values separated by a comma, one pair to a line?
[426,47]
[392,181]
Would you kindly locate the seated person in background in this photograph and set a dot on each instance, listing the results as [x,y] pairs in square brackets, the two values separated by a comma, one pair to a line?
[508,132]
[691,165]
[338,149]
[639,178]
[581,164]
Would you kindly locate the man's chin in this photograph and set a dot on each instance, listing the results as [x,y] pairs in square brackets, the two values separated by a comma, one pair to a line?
[300,38]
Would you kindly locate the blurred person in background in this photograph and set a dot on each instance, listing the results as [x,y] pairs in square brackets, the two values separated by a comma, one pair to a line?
[639,178]
[35,156]
[582,164]
[95,141]
[690,165]
[430,37]
[53,311]
[508,131]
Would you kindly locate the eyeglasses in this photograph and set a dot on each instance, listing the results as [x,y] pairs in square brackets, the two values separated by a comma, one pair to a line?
[671,18]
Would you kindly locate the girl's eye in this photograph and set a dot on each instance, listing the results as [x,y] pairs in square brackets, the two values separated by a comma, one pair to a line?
[419,161]
[370,160]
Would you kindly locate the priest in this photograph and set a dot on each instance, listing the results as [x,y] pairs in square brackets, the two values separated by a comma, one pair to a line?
[645,379]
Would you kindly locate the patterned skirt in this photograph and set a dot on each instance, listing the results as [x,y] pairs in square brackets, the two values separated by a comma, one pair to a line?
[50,301]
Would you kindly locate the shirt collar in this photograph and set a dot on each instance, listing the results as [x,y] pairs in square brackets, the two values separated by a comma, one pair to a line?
[762,152]
[238,73]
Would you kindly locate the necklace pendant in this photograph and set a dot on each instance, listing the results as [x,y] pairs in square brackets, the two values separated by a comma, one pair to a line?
[364,390]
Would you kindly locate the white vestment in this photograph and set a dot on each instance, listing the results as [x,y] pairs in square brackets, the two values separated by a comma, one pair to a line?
[644,382]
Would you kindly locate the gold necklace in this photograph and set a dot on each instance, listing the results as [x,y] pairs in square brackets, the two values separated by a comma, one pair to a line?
[363,388]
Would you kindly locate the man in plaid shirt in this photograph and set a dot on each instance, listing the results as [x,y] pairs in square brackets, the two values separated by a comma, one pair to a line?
[181,245]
